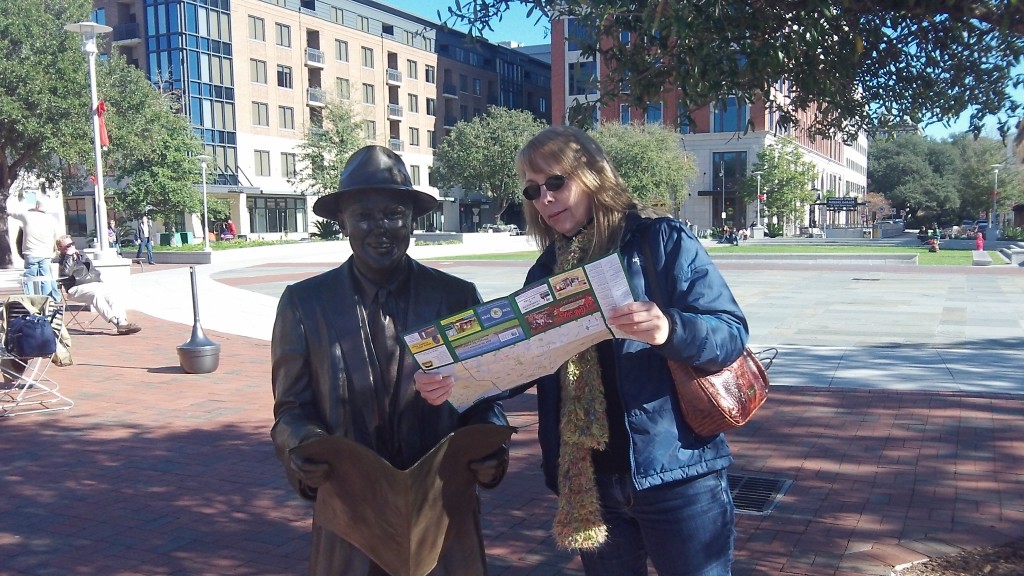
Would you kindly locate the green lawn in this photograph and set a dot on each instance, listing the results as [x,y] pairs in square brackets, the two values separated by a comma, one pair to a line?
[924,257]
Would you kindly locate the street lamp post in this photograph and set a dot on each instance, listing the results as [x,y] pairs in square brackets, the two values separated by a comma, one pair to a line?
[993,228]
[203,159]
[89,31]
[721,176]
[757,220]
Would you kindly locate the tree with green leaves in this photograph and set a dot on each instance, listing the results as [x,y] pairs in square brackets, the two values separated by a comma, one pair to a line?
[44,95]
[786,181]
[153,148]
[650,160]
[854,64]
[918,175]
[941,181]
[479,155]
[322,155]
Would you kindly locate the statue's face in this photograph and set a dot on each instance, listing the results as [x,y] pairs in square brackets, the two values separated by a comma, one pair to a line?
[379,226]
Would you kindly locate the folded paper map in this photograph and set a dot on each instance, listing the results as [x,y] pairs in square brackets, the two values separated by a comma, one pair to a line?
[500,344]
[402,518]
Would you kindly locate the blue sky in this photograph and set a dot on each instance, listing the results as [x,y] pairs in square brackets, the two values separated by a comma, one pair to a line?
[515,26]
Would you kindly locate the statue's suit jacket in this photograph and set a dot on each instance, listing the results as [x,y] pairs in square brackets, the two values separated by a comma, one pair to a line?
[321,375]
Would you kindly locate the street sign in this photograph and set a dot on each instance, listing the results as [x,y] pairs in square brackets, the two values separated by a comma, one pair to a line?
[841,202]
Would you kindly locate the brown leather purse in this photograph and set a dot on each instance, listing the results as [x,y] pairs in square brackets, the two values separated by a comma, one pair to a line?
[720,401]
[727,399]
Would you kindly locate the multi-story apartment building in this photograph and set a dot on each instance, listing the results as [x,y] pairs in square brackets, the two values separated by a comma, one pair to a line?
[718,137]
[254,76]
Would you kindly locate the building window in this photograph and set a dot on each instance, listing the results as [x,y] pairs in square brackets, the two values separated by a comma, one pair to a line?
[414,136]
[463,83]
[367,57]
[654,113]
[261,158]
[412,69]
[476,86]
[578,35]
[684,125]
[624,114]
[257,29]
[370,129]
[343,89]
[287,114]
[364,23]
[341,50]
[464,113]
[431,105]
[284,76]
[414,174]
[283,35]
[414,104]
[728,168]
[75,217]
[258,71]
[276,215]
[730,115]
[368,95]
[582,78]
[288,165]
[542,104]
[260,114]
[430,74]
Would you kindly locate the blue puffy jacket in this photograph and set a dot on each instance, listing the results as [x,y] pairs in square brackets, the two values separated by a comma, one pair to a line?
[708,331]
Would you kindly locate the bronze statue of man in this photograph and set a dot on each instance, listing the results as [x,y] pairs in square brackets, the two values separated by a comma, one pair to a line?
[341,368]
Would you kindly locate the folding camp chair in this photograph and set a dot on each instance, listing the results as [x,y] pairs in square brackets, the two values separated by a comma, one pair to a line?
[26,387]
[78,315]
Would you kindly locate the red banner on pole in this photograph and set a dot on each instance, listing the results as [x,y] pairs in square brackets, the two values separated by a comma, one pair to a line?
[101,109]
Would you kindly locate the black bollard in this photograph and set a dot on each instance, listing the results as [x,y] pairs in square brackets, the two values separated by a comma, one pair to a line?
[199,355]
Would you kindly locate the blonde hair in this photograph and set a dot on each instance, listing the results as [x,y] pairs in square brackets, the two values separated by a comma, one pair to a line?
[572,152]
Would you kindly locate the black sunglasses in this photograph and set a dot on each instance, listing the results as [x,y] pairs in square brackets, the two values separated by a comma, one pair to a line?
[553,184]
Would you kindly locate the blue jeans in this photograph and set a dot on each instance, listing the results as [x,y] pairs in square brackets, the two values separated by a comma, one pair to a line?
[148,245]
[40,267]
[686,528]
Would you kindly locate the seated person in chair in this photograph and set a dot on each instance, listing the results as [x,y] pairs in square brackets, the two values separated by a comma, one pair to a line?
[84,285]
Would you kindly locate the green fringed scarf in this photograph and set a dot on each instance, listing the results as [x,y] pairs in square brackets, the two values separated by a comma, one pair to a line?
[583,428]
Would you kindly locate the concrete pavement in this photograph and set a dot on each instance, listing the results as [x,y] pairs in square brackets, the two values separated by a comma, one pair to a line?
[895,421]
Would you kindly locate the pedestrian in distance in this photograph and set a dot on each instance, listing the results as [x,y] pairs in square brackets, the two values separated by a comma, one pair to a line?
[38,241]
[635,483]
[145,234]
[340,367]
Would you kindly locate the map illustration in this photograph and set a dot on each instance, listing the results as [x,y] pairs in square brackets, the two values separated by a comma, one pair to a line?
[506,342]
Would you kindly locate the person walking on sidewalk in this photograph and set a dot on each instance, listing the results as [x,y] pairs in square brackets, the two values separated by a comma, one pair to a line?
[83,284]
[340,367]
[145,233]
[39,236]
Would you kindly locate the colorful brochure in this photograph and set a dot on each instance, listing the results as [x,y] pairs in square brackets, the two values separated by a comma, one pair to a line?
[506,342]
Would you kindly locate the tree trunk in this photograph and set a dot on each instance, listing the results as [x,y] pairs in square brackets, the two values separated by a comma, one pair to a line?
[6,258]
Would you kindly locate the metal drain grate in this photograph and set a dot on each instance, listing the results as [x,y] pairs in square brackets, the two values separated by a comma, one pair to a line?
[756,495]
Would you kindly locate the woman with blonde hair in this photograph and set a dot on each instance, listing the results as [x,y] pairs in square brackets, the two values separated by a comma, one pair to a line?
[635,483]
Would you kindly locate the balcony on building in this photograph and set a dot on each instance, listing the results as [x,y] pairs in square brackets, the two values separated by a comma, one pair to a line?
[316,97]
[394,77]
[449,90]
[394,112]
[450,121]
[396,145]
[315,58]
[126,34]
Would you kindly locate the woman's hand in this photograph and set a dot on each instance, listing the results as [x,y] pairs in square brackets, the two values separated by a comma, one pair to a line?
[642,321]
[435,388]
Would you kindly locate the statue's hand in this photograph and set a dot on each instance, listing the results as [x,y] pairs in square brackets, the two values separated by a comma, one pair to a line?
[312,473]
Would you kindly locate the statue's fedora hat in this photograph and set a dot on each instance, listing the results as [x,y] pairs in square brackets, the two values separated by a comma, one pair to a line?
[369,169]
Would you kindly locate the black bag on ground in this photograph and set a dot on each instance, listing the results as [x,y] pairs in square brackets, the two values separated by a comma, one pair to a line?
[30,336]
